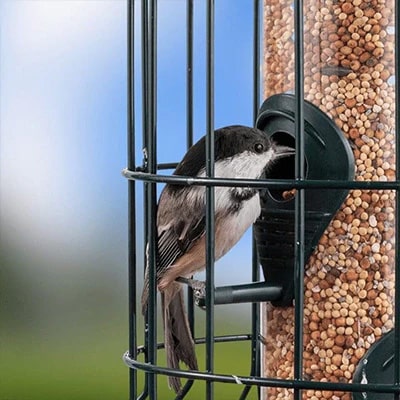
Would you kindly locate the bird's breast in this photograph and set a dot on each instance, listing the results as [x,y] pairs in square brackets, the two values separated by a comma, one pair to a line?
[231,227]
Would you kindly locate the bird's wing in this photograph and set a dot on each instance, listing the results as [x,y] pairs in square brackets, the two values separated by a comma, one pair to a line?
[178,229]
[179,224]
[177,238]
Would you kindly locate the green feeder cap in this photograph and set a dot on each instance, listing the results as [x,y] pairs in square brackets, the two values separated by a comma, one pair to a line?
[328,156]
[376,367]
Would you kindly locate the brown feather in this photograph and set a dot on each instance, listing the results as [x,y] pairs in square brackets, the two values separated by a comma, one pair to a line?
[179,344]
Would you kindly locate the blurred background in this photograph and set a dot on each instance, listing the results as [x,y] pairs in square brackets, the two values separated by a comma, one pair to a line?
[63,201]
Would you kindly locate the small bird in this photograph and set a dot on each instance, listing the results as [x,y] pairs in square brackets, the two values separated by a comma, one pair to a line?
[240,152]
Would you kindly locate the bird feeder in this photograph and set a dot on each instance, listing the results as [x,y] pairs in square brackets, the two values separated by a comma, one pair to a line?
[326,236]
[349,276]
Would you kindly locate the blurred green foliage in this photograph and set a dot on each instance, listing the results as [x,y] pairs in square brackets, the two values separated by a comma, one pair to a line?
[63,334]
[89,366]
[67,367]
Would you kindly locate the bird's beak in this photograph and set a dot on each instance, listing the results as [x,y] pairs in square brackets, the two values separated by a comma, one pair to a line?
[283,151]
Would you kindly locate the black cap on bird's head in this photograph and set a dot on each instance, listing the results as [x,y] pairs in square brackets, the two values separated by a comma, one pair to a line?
[233,142]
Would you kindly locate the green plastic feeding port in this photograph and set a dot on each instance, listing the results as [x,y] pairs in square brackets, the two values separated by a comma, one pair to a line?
[377,366]
[328,156]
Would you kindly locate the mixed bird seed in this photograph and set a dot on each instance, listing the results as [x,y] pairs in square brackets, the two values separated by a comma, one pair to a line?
[349,280]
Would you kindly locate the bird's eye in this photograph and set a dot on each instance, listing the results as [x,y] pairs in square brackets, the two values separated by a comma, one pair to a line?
[259,147]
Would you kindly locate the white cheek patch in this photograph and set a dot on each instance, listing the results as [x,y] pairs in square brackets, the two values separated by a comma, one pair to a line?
[243,165]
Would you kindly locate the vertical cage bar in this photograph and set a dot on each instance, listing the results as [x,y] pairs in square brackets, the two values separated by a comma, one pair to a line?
[131,197]
[145,79]
[152,72]
[189,115]
[152,193]
[144,53]
[210,206]
[396,396]
[189,73]
[256,361]
[256,61]
[189,143]
[255,307]
[145,91]
[150,105]
[299,200]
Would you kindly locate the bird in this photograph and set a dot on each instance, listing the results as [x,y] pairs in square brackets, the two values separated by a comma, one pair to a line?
[240,152]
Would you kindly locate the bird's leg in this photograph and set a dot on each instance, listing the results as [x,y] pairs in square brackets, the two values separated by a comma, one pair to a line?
[198,287]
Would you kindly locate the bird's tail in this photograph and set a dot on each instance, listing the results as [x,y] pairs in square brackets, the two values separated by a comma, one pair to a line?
[179,344]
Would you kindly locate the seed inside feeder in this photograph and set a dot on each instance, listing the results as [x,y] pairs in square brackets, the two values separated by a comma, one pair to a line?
[349,280]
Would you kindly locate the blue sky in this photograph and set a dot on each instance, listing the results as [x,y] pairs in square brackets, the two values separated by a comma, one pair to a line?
[62,119]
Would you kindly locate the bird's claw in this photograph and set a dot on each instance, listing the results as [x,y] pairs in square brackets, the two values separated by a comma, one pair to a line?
[199,291]
[198,287]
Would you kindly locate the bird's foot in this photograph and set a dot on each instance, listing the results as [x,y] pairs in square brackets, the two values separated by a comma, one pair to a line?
[198,287]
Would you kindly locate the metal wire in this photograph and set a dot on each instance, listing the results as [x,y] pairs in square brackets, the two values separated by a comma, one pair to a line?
[145,83]
[262,183]
[210,196]
[299,199]
[261,382]
[189,143]
[255,369]
[189,73]
[131,199]
[149,49]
